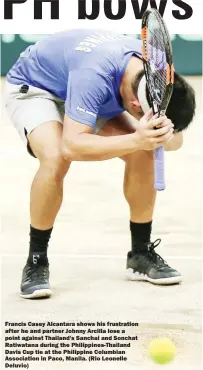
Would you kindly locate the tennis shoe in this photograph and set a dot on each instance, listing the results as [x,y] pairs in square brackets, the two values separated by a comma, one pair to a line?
[147,265]
[35,281]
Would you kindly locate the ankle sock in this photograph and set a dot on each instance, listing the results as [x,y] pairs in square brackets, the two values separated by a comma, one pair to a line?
[39,240]
[140,235]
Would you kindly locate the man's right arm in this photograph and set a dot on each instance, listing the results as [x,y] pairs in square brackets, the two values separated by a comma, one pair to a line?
[80,144]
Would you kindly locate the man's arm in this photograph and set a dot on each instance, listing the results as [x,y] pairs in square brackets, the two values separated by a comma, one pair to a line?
[174,143]
[80,144]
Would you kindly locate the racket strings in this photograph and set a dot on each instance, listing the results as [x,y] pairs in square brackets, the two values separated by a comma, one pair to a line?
[156,59]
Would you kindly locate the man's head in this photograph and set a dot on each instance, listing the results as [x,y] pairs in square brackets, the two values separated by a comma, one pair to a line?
[181,108]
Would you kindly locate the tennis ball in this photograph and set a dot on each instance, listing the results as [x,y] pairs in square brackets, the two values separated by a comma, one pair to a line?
[162,350]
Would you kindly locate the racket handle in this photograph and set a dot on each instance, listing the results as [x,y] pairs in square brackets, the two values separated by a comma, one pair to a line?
[159,181]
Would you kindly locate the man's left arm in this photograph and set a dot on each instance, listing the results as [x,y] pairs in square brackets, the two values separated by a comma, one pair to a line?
[174,143]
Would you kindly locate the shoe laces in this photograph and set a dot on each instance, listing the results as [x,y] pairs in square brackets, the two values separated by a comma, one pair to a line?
[38,272]
[155,257]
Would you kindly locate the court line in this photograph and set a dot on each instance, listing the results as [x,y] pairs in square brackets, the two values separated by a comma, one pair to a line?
[101,256]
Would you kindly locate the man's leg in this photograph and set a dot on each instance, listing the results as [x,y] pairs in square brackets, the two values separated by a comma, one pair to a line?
[47,186]
[140,194]
[139,186]
[46,198]
[138,180]
[143,262]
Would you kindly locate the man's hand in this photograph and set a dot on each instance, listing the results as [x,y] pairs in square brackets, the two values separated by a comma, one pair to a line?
[149,138]
[174,142]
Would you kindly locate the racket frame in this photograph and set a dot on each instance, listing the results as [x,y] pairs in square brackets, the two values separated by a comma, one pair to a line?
[160,109]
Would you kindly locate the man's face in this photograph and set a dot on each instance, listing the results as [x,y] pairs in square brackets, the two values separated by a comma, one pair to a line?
[130,102]
[132,106]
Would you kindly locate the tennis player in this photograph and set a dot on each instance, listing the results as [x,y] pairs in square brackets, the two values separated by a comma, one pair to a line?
[81,96]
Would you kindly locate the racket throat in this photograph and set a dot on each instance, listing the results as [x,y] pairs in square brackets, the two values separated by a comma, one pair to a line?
[155,108]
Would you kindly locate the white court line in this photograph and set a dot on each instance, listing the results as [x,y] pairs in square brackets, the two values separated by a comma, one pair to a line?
[101,256]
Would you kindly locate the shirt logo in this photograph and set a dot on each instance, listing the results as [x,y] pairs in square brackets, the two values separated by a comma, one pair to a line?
[86,111]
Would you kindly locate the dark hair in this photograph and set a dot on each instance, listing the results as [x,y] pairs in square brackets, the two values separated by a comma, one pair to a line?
[181,109]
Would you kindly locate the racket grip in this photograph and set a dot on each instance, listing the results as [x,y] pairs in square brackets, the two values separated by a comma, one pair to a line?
[159,181]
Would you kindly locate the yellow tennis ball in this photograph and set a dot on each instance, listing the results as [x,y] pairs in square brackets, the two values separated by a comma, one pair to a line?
[162,350]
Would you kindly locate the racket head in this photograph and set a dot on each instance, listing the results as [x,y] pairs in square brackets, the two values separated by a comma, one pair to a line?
[158,60]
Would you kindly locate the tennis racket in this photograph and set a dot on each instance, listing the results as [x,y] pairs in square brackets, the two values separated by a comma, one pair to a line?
[159,73]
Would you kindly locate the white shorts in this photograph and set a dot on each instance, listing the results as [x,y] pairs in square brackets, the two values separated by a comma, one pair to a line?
[29,109]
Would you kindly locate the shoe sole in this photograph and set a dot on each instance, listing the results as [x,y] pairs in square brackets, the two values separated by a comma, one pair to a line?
[136,276]
[41,293]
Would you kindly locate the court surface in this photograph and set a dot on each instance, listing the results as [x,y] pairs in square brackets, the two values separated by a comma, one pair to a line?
[89,246]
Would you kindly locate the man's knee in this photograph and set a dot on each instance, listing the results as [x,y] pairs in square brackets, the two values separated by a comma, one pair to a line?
[54,164]
[139,157]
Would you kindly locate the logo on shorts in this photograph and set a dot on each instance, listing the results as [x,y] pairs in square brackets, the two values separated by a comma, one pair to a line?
[86,111]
